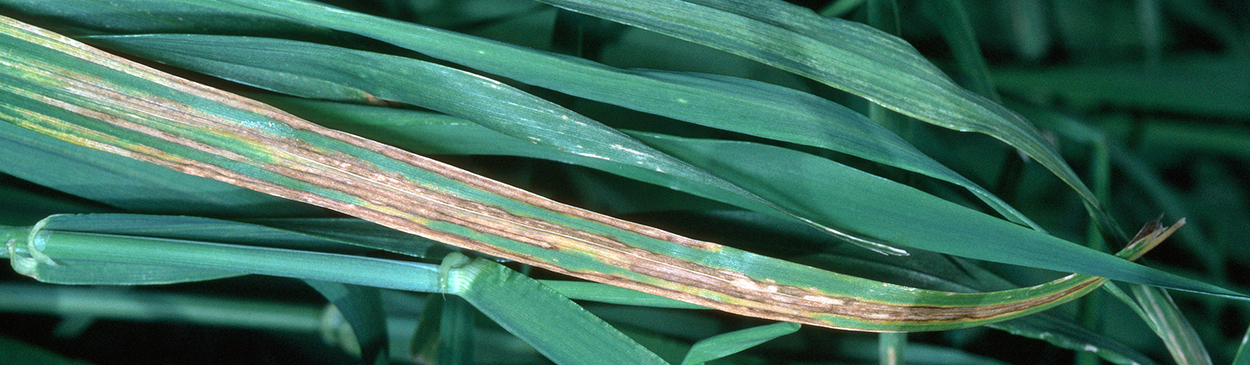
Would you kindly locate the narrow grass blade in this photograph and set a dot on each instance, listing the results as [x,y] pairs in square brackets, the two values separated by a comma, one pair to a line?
[750,164]
[955,27]
[846,55]
[362,308]
[734,342]
[1166,320]
[554,325]
[1243,351]
[85,96]
[423,346]
[456,332]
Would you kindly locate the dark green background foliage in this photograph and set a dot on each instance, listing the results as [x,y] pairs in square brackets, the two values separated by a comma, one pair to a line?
[1147,101]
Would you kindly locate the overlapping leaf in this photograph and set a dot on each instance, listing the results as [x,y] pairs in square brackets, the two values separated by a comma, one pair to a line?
[862,204]
[550,322]
[850,56]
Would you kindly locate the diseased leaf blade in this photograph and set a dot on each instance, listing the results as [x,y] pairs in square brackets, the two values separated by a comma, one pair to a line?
[317,71]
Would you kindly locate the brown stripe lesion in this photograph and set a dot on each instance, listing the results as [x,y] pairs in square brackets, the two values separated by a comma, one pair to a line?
[393,200]
[478,182]
[763,299]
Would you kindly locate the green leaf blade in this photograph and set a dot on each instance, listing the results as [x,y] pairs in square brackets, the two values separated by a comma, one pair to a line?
[849,56]
[731,343]
[557,327]
[942,227]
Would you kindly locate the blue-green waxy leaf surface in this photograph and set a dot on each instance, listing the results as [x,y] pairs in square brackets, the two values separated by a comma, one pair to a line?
[846,55]
[545,319]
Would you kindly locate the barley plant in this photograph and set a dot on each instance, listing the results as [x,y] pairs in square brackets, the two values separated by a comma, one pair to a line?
[624,181]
